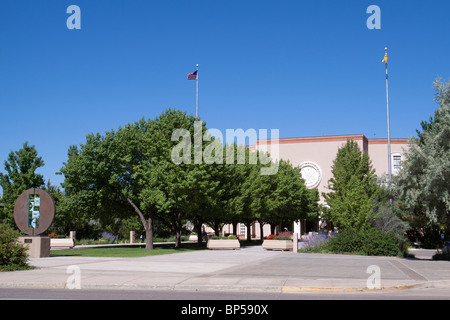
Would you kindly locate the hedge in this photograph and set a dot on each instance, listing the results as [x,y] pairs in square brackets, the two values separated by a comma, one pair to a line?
[370,242]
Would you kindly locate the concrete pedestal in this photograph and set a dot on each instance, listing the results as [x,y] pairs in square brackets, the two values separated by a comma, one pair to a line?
[38,247]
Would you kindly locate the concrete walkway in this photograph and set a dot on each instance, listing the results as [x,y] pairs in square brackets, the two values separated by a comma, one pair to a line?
[248,269]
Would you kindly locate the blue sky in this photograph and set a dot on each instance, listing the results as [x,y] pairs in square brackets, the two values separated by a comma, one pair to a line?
[307,68]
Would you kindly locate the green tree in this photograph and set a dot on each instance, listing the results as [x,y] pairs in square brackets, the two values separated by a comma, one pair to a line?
[274,199]
[230,175]
[20,175]
[101,181]
[388,213]
[424,180]
[353,189]
[132,171]
[288,198]
[60,225]
[178,192]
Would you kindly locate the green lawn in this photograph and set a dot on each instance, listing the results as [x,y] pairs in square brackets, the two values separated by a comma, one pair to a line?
[124,252]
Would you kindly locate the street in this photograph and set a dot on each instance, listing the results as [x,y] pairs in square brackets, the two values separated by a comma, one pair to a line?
[442,293]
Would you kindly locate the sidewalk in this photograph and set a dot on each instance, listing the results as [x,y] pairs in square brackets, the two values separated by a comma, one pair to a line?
[247,269]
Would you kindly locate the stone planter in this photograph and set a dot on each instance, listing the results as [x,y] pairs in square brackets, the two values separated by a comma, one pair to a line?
[214,244]
[193,237]
[284,245]
[62,243]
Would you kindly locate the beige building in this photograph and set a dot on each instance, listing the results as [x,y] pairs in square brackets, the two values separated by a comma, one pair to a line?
[315,157]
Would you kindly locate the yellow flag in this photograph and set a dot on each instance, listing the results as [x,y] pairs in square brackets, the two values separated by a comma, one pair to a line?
[385,58]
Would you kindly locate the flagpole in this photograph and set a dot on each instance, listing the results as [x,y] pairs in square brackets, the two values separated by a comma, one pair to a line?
[388,128]
[196,104]
[388,124]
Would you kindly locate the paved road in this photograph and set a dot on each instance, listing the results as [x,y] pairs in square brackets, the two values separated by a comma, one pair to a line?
[250,269]
[106,294]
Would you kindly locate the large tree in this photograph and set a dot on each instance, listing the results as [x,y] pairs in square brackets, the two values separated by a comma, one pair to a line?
[100,177]
[132,171]
[424,181]
[20,175]
[280,198]
[177,184]
[287,198]
[171,171]
[353,189]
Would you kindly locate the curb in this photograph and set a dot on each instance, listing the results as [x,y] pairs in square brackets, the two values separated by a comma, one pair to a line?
[344,289]
[226,288]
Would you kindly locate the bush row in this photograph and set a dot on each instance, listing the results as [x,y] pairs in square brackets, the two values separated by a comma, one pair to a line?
[370,242]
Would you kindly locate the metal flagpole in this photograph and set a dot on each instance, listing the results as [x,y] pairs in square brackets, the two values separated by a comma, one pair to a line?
[196,104]
[388,125]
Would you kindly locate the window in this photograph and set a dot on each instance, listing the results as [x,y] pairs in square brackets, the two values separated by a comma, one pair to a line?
[242,229]
[396,162]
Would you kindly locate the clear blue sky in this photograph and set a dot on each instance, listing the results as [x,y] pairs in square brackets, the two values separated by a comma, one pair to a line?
[307,68]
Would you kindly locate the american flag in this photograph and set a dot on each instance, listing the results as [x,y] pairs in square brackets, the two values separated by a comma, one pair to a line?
[193,75]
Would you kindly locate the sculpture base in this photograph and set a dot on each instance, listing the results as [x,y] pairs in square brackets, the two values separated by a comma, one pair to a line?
[38,247]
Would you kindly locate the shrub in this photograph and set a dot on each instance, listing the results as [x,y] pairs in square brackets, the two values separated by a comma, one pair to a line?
[316,242]
[109,237]
[370,242]
[13,255]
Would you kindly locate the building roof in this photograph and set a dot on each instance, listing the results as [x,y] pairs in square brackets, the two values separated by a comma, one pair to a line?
[355,137]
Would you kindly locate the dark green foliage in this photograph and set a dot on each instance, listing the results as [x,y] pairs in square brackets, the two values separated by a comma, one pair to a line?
[101,181]
[13,256]
[424,181]
[353,189]
[20,175]
[370,242]
[142,171]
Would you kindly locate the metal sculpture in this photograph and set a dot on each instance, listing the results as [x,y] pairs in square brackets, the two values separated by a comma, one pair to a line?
[34,211]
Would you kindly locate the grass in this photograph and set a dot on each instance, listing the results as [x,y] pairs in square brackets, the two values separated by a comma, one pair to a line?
[104,240]
[125,252]
[134,252]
